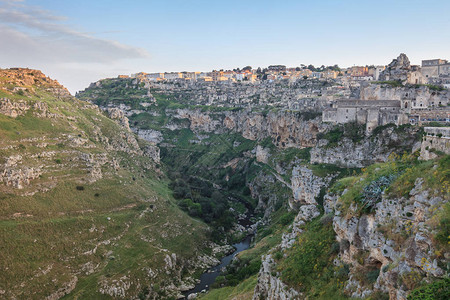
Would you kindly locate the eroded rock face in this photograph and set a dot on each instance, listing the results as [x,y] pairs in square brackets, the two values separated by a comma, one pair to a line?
[19,177]
[396,240]
[397,69]
[119,116]
[306,186]
[285,128]
[271,287]
[13,109]
[23,79]
[306,213]
[375,148]
[262,154]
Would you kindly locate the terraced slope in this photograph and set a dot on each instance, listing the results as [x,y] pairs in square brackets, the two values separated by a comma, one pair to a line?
[84,210]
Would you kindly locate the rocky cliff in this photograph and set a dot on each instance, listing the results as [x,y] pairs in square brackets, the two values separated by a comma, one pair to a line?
[339,211]
[84,209]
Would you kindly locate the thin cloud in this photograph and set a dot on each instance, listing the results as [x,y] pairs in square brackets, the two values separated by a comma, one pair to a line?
[36,38]
[52,41]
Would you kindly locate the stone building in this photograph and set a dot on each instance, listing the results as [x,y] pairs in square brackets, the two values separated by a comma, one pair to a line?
[435,139]
[373,113]
[433,68]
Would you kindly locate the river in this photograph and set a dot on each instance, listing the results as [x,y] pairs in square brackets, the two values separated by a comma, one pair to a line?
[210,276]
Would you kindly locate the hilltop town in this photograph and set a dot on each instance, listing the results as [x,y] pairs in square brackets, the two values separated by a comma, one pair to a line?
[398,93]
[432,71]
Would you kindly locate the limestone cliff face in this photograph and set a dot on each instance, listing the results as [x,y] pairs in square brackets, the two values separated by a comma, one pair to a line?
[285,128]
[306,186]
[375,148]
[270,286]
[396,240]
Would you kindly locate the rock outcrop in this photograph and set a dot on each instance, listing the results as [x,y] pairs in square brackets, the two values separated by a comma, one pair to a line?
[270,286]
[306,186]
[285,128]
[395,241]
[397,69]
[13,109]
[375,148]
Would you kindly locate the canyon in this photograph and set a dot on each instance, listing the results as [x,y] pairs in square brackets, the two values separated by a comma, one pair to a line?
[132,189]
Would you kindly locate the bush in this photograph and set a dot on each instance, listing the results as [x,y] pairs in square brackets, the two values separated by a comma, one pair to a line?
[372,276]
[438,290]
[392,83]
[342,272]
[287,218]
[80,188]
[372,192]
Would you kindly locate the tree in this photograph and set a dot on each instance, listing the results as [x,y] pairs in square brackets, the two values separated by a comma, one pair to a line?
[247,68]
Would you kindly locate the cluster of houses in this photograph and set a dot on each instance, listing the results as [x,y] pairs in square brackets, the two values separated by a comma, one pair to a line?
[434,71]
[370,95]
[410,104]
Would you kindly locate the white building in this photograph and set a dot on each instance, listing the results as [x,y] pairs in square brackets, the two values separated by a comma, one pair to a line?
[154,76]
[173,75]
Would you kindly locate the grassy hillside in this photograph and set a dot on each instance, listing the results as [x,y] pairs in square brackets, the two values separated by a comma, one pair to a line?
[84,211]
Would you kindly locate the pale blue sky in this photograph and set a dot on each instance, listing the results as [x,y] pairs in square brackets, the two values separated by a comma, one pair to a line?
[81,41]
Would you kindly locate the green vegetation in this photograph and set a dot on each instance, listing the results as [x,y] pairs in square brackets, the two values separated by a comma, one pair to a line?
[308,265]
[352,131]
[102,231]
[396,177]
[116,90]
[242,291]
[197,170]
[438,290]
[392,83]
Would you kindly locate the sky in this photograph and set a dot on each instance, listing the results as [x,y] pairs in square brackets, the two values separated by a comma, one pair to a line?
[82,41]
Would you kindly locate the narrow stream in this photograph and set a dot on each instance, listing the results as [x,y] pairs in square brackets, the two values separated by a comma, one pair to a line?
[210,276]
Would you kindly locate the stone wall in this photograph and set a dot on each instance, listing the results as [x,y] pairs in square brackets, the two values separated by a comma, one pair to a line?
[436,138]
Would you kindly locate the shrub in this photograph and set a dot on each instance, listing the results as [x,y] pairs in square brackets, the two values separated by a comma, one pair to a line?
[287,218]
[278,255]
[80,188]
[335,247]
[372,276]
[379,295]
[342,272]
[372,192]
[438,290]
